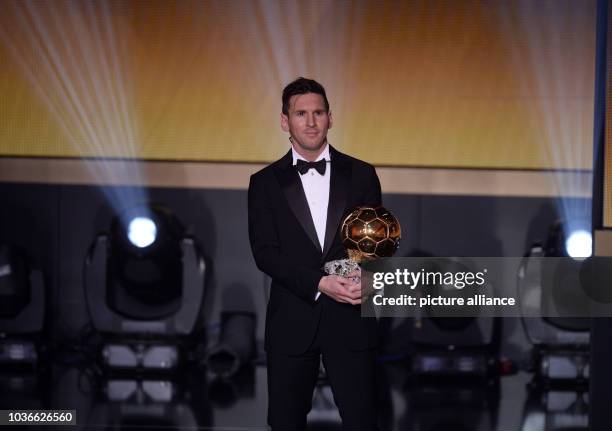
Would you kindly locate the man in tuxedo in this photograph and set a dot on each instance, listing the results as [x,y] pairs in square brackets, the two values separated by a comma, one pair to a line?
[296,206]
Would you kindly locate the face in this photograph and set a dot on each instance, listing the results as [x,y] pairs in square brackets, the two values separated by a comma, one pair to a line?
[307,123]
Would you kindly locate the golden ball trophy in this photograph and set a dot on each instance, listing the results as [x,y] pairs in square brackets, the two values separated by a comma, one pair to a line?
[367,233]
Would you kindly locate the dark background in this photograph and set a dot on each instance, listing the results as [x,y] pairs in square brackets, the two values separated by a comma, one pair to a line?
[56,224]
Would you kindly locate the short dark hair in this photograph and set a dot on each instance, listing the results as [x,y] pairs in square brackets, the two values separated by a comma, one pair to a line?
[302,86]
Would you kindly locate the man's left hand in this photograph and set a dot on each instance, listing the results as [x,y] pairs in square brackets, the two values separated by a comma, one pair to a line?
[356,286]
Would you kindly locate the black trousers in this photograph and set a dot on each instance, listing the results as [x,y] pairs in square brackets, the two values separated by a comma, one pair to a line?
[352,376]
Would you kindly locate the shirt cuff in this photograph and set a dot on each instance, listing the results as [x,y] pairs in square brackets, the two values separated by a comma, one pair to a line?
[317,295]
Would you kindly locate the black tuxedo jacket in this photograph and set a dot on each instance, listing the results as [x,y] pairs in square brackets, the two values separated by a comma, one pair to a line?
[285,246]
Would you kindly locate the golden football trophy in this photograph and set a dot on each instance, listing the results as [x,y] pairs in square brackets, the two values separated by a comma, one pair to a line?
[367,233]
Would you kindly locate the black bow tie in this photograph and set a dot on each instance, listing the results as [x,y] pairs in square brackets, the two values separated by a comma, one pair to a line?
[303,166]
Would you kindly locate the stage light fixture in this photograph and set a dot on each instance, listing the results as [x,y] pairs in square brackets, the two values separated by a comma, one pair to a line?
[579,244]
[569,239]
[458,405]
[142,231]
[445,343]
[144,284]
[145,263]
[22,308]
[560,358]
[136,404]
[236,345]
[14,283]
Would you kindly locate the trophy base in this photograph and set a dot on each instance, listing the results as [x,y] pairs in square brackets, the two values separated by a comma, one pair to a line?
[341,267]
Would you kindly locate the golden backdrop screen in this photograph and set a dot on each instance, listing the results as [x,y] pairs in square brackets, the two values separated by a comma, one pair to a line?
[499,84]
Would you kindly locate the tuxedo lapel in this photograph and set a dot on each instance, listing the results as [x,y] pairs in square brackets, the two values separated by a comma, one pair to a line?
[338,192]
[294,193]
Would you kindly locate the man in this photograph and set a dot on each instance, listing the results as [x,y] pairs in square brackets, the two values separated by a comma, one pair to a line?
[296,206]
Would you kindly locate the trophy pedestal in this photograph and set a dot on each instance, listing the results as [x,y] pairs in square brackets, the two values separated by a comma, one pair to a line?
[341,267]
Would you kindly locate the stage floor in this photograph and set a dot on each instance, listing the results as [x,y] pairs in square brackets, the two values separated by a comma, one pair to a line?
[197,400]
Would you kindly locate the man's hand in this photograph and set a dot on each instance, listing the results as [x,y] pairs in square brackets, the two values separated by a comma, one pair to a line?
[341,289]
[355,275]
[356,286]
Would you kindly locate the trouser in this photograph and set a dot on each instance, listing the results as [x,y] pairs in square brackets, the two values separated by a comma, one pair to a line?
[352,377]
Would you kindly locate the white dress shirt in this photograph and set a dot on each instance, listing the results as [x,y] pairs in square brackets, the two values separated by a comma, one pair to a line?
[316,188]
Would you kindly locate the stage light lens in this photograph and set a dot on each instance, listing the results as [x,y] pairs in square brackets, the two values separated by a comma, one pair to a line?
[142,231]
[579,244]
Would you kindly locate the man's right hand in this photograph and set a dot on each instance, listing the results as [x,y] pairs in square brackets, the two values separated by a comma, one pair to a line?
[338,288]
